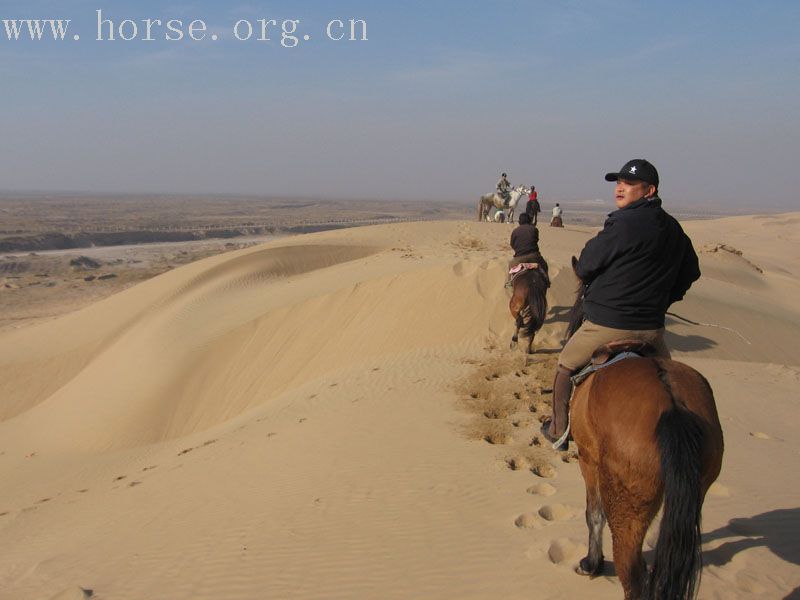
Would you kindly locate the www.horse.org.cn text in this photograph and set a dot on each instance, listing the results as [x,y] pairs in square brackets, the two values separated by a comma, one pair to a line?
[288,33]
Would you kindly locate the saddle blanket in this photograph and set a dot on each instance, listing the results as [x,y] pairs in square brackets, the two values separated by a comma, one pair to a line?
[522,267]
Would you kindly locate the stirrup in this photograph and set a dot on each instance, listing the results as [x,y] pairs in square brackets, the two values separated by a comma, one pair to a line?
[561,443]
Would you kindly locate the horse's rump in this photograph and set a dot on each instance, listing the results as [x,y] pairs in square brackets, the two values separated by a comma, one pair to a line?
[660,385]
[648,432]
[528,303]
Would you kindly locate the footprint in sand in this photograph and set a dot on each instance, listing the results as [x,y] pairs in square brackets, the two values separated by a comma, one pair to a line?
[149,468]
[569,457]
[565,550]
[556,512]
[498,438]
[542,489]
[518,463]
[760,435]
[545,470]
[529,521]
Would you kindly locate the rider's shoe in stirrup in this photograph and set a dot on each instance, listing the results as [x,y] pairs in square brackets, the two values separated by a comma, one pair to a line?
[551,438]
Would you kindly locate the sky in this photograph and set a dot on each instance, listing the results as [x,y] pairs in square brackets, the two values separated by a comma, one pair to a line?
[441,97]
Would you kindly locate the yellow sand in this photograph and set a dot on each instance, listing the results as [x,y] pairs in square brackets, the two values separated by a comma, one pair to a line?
[308,419]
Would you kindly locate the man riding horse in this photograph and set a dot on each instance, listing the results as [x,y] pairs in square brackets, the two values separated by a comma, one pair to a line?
[639,264]
[504,189]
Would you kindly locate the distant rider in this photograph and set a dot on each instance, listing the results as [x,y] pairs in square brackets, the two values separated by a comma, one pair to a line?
[557,221]
[532,207]
[504,189]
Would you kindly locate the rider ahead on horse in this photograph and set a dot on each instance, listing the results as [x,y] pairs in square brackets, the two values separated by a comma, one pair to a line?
[504,189]
[639,264]
[525,243]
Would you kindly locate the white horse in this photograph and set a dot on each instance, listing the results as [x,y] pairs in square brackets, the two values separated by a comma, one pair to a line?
[489,201]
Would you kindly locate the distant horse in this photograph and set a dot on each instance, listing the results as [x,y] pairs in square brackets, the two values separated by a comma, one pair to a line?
[489,201]
[528,304]
[648,433]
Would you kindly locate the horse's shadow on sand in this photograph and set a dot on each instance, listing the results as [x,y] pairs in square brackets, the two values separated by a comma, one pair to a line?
[777,530]
[688,343]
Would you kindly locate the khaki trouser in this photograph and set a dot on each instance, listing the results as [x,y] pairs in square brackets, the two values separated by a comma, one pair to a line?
[580,347]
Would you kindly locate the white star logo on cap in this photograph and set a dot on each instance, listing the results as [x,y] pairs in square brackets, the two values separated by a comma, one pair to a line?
[633,170]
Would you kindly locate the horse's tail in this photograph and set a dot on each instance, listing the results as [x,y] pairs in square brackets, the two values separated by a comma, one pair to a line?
[537,300]
[678,559]
[480,208]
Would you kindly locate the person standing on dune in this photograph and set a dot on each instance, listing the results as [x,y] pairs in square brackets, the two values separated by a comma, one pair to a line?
[639,264]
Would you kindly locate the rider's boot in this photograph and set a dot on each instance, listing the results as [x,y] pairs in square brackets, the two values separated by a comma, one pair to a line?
[554,428]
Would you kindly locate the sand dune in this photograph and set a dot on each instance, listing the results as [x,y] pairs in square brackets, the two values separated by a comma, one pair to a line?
[337,415]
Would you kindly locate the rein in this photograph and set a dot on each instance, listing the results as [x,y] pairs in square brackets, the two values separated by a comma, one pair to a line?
[671,314]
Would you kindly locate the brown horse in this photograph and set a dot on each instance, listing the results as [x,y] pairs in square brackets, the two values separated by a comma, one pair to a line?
[648,433]
[528,304]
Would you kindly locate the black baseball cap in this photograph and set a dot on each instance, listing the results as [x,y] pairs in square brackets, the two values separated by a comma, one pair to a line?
[639,169]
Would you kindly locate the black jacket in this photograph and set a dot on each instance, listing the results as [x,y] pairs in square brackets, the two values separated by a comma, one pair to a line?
[525,240]
[639,264]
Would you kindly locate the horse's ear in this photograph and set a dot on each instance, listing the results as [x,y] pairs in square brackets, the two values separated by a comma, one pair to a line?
[574,263]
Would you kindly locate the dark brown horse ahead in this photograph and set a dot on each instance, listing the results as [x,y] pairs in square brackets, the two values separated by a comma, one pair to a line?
[528,304]
[647,433]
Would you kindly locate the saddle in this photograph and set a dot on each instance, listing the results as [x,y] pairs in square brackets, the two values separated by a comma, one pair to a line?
[522,267]
[611,353]
[608,351]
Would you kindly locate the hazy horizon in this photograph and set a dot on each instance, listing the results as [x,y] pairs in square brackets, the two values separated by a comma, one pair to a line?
[437,101]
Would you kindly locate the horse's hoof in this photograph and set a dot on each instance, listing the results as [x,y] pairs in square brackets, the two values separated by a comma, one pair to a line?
[585,567]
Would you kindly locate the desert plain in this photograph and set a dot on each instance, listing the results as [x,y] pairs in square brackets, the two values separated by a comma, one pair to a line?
[338,414]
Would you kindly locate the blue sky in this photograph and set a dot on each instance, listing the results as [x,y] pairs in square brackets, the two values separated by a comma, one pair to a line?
[441,98]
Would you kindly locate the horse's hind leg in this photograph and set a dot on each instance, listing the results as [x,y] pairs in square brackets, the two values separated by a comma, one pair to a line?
[592,563]
[629,516]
